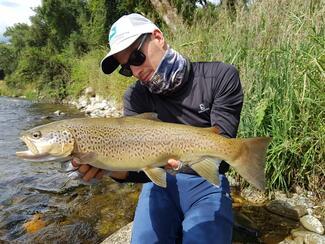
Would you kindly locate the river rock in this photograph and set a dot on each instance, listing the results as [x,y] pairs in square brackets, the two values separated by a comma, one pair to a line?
[308,237]
[282,208]
[319,212]
[121,236]
[291,240]
[295,199]
[82,102]
[253,196]
[102,105]
[244,228]
[312,223]
[35,224]
[58,113]
[301,210]
[90,92]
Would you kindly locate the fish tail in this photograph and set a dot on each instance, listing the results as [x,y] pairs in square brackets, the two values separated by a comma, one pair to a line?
[250,162]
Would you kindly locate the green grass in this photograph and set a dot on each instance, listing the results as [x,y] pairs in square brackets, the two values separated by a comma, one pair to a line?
[279,49]
[86,72]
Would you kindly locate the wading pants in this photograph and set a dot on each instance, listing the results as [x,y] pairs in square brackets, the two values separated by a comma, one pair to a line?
[189,210]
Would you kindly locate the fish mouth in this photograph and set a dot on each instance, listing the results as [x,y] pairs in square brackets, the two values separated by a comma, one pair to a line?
[29,155]
[32,148]
[32,154]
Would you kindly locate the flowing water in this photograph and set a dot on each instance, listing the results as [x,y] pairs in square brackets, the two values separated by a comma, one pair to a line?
[38,204]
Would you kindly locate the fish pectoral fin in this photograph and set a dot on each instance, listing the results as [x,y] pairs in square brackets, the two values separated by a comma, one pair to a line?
[208,168]
[149,116]
[86,158]
[156,175]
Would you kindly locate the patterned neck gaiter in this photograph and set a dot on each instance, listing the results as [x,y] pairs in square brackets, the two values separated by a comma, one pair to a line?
[169,74]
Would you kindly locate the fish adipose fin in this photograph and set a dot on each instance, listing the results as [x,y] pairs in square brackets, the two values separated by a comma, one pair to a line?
[251,161]
[156,175]
[208,168]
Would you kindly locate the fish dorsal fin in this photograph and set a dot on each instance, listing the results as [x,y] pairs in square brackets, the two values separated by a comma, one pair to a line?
[215,130]
[156,175]
[149,116]
[208,168]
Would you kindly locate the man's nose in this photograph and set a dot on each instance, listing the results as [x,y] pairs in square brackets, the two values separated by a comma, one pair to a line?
[136,70]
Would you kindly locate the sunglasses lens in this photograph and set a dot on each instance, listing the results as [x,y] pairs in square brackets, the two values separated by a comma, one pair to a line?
[136,58]
[126,71]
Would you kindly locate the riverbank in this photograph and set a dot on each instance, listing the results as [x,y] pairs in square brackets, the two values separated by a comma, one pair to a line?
[284,219]
[298,216]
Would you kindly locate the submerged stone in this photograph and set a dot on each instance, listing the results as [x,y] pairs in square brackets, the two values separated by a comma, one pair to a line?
[35,224]
[123,235]
[283,208]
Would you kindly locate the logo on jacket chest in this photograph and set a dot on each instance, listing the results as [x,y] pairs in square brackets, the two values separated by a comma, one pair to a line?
[203,108]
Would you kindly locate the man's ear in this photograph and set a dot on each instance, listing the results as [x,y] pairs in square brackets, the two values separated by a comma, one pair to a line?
[159,37]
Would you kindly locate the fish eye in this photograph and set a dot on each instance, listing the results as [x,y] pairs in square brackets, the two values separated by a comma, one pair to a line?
[36,134]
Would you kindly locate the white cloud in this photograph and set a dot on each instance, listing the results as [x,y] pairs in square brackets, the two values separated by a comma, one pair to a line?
[16,11]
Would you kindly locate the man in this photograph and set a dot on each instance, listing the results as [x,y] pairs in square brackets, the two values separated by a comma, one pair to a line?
[190,209]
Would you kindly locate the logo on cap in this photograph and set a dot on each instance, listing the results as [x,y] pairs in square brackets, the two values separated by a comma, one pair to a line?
[112,33]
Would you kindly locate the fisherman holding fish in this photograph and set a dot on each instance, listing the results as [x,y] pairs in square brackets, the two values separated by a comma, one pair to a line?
[193,205]
[190,209]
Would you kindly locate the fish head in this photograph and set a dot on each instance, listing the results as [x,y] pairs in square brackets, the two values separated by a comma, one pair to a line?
[47,143]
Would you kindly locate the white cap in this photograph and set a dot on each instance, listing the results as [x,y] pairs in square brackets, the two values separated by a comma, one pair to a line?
[122,34]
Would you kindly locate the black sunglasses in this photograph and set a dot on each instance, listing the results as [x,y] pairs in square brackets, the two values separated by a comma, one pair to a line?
[136,58]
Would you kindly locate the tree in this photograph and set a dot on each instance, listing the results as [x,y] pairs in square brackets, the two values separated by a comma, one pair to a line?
[19,35]
[8,58]
[61,19]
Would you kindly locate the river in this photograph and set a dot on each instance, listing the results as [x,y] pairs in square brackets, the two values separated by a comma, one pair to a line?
[37,201]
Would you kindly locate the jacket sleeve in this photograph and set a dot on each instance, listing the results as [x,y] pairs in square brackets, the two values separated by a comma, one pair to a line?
[135,101]
[228,102]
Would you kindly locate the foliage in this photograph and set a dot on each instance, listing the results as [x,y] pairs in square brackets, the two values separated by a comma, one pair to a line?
[86,72]
[8,58]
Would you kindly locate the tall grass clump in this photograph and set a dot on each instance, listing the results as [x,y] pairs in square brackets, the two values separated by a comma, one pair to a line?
[86,72]
[278,47]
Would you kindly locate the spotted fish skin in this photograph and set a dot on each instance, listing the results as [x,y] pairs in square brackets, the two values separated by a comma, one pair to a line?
[144,143]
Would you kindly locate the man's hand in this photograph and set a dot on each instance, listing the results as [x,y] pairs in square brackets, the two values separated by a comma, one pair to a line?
[174,164]
[89,172]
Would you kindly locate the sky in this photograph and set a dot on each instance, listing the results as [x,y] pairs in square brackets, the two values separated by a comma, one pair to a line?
[15,11]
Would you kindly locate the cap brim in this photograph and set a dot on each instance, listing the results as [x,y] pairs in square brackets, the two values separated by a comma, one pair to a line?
[109,63]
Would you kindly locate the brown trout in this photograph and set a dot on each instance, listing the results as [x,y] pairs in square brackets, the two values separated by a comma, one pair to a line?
[143,142]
